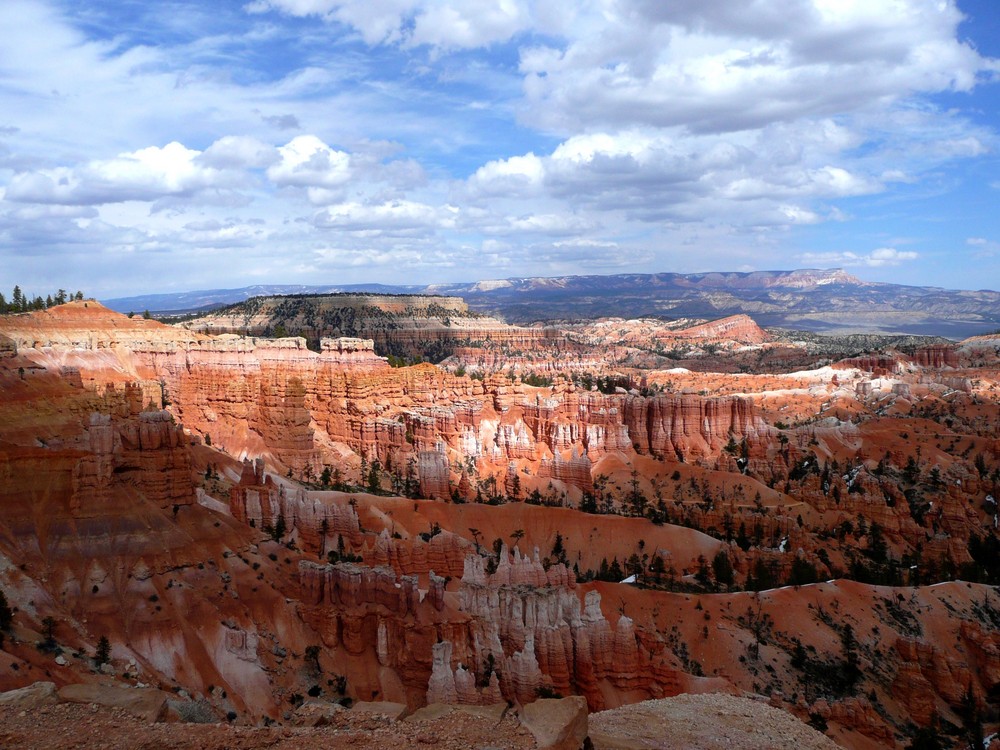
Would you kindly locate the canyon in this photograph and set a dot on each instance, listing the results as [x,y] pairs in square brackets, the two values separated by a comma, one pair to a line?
[254,521]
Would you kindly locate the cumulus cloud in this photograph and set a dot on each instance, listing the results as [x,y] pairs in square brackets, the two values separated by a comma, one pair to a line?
[142,175]
[307,162]
[710,68]
[751,178]
[517,174]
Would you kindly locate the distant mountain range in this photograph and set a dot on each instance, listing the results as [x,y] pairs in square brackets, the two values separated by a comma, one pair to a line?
[823,301]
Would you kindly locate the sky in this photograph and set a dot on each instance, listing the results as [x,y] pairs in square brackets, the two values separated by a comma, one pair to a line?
[177,145]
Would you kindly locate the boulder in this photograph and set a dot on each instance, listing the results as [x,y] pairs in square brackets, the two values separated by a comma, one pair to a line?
[32,696]
[148,704]
[557,723]
[316,714]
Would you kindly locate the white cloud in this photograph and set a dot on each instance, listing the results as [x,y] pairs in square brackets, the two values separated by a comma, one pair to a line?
[518,174]
[883,256]
[305,161]
[469,23]
[984,248]
[750,179]
[442,23]
[239,152]
[146,174]
[711,68]
[385,217]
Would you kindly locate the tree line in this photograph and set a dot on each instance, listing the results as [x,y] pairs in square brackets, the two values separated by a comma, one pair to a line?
[21,302]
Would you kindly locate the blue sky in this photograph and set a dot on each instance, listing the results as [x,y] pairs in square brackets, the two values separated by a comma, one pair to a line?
[153,147]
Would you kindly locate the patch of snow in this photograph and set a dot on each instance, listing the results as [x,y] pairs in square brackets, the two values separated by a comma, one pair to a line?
[630,579]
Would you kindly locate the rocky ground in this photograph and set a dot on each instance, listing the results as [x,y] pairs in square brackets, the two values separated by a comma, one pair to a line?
[703,722]
[66,726]
[690,721]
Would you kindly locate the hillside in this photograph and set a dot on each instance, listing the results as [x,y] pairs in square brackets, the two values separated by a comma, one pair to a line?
[405,326]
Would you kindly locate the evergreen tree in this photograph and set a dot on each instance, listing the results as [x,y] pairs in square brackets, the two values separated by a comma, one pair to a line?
[6,614]
[559,550]
[49,629]
[374,478]
[722,568]
[102,654]
[928,738]
[972,720]
[279,528]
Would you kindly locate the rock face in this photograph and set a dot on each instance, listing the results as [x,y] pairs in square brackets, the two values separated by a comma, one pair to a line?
[320,522]
[516,632]
[8,349]
[301,409]
[740,328]
[145,449]
[937,357]
[527,624]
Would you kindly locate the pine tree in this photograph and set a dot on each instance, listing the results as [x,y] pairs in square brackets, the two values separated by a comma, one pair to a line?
[102,654]
[280,527]
[49,628]
[6,614]
[972,720]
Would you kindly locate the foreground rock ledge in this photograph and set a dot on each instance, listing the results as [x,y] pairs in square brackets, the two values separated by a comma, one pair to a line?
[703,722]
[708,722]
